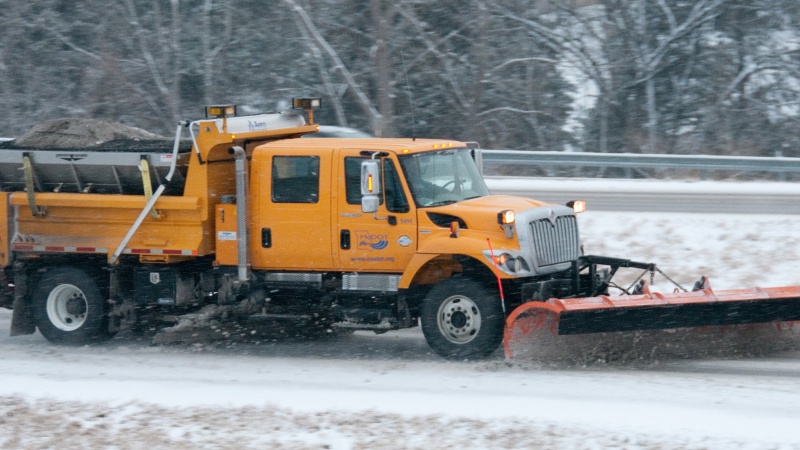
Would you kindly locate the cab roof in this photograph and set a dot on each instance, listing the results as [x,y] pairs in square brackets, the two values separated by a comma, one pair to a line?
[394,145]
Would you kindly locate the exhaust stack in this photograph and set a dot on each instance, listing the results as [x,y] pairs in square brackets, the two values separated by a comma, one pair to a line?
[241,210]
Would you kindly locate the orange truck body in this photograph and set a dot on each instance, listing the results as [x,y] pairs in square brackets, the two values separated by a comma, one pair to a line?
[311,250]
[87,252]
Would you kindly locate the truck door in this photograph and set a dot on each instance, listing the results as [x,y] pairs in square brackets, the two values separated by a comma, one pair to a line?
[292,220]
[385,241]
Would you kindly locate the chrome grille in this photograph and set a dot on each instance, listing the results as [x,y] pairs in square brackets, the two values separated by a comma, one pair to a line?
[555,242]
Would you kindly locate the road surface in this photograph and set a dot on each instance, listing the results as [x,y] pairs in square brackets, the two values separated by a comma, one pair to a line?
[703,389]
[389,391]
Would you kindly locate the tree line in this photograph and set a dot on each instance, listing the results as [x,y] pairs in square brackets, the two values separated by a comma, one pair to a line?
[650,76]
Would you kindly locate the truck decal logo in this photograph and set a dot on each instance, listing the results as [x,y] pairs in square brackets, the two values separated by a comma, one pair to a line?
[254,125]
[552,218]
[404,241]
[380,245]
[155,277]
[71,156]
[367,240]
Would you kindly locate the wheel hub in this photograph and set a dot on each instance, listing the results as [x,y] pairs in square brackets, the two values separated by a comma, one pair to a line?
[459,319]
[76,305]
[67,307]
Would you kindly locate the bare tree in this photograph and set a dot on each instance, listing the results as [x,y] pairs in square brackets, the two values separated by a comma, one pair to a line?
[364,101]
[607,75]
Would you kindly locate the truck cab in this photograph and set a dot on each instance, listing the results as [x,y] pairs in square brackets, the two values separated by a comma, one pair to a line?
[434,248]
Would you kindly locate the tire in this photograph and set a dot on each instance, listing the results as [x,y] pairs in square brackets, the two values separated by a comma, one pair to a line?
[69,309]
[461,319]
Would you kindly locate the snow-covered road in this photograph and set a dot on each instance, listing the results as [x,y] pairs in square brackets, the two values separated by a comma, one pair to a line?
[390,391]
[367,391]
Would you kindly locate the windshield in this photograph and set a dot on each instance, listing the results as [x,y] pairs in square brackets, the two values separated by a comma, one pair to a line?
[440,178]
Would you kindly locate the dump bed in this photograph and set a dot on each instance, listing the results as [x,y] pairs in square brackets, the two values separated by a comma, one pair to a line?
[112,167]
[86,199]
[92,187]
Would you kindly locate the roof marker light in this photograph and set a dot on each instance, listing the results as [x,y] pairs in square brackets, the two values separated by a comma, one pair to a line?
[220,111]
[506,217]
[578,205]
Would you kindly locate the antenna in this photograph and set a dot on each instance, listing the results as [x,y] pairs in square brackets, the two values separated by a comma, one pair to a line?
[410,100]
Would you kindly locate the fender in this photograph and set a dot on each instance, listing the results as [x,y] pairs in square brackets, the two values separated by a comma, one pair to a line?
[441,269]
[439,251]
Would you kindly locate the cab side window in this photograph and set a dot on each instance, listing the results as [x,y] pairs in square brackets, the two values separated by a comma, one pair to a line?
[392,187]
[295,179]
[395,196]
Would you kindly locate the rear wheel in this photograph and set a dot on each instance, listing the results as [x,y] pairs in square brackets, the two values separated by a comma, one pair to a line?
[69,308]
[462,319]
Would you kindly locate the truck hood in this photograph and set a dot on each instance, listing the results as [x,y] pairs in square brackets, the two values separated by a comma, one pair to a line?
[481,213]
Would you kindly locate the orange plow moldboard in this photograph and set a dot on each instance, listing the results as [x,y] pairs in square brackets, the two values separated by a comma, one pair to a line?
[650,311]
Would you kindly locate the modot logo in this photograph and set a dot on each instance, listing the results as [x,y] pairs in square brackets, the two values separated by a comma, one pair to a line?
[367,240]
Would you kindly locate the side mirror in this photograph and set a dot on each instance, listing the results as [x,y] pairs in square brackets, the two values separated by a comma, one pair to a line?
[370,186]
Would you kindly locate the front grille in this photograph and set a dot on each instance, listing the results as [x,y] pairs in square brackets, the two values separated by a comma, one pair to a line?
[555,242]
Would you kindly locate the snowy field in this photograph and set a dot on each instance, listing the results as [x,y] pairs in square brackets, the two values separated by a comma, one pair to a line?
[732,250]
[712,390]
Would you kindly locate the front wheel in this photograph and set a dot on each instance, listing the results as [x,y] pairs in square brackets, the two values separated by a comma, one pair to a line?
[69,308]
[461,319]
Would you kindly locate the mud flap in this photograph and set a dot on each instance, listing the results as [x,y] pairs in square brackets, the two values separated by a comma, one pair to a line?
[6,292]
[648,311]
[22,321]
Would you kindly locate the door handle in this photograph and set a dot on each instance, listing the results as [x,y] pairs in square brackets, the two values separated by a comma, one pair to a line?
[344,239]
[266,237]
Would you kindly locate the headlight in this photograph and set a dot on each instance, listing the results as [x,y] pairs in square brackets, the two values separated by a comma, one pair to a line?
[502,258]
[511,263]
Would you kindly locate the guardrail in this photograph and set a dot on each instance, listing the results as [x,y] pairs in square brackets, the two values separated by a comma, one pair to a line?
[731,197]
[632,163]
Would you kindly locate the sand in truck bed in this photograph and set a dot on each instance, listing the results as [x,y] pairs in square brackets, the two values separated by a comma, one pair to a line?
[80,133]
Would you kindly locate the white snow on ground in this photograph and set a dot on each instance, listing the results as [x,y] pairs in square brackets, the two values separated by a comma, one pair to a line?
[733,250]
[390,391]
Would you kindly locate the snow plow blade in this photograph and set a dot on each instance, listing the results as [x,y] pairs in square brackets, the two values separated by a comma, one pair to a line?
[651,311]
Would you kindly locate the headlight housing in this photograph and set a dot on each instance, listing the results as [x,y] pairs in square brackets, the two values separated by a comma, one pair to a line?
[509,262]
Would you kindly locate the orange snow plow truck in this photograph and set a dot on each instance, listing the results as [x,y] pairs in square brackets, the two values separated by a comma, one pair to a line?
[248,222]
